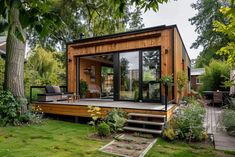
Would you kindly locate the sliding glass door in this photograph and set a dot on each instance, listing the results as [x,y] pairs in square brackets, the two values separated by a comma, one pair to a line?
[151,73]
[137,75]
[129,75]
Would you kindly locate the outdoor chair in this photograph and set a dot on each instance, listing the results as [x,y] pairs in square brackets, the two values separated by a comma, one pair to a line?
[217,98]
[54,93]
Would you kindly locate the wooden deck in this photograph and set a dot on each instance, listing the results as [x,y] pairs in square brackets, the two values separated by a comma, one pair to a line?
[81,108]
[222,140]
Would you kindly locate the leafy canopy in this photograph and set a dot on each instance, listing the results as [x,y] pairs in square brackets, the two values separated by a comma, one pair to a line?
[227,29]
[37,15]
[210,41]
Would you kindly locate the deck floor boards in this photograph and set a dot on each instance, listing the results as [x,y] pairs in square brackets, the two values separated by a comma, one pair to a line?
[212,123]
[117,104]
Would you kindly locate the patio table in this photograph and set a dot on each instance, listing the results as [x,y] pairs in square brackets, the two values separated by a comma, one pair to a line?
[209,94]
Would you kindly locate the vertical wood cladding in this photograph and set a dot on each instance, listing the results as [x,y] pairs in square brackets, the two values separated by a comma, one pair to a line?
[86,63]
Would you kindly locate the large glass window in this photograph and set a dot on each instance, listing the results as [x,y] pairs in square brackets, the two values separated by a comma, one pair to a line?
[107,82]
[151,75]
[129,75]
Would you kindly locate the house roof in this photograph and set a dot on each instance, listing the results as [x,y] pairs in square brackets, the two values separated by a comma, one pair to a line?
[198,71]
[144,30]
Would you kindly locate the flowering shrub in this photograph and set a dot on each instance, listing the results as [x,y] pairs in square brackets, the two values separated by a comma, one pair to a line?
[187,123]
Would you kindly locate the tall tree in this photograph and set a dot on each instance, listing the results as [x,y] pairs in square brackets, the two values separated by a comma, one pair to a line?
[208,11]
[228,29]
[17,15]
[21,15]
[93,18]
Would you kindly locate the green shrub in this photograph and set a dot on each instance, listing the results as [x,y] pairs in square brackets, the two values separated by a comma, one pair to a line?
[103,129]
[231,104]
[31,118]
[169,134]
[9,109]
[215,75]
[188,122]
[2,69]
[228,120]
[116,120]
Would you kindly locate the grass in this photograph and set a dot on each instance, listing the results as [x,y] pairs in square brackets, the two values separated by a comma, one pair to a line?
[181,149]
[52,138]
[64,139]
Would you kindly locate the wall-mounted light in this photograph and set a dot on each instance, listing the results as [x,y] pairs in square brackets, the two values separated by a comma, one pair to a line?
[70,60]
[166,51]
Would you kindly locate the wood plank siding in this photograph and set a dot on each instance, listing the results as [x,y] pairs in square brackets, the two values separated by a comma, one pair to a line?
[165,37]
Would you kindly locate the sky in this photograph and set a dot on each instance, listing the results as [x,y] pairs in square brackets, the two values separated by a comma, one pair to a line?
[175,12]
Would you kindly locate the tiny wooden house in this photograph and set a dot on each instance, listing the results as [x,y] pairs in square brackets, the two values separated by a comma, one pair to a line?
[128,66]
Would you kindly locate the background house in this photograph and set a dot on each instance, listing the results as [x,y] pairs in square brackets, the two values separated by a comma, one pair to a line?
[195,78]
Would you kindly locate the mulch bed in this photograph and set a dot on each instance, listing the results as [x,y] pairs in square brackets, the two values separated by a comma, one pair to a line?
[129,145]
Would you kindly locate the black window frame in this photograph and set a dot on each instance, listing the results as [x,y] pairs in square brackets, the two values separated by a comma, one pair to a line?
[116,71]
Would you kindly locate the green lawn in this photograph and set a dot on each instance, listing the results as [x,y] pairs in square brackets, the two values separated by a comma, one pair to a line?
[59,139]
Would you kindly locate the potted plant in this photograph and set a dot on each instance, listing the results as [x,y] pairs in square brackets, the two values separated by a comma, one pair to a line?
[83,88]
[166,81]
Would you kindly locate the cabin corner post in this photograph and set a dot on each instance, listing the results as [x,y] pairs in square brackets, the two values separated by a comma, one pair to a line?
[173,62]
[66,68]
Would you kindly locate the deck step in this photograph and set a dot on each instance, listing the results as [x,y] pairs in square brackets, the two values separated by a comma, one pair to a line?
[145,122]
[146,115]
[151,131]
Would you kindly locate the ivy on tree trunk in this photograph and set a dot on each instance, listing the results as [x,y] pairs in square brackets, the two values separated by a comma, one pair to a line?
[15,48]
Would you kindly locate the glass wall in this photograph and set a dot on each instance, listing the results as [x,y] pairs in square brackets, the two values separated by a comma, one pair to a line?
[151,75]
[129,75]
[107,82]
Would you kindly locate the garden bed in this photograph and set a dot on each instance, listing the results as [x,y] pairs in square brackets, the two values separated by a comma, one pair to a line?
[129,145]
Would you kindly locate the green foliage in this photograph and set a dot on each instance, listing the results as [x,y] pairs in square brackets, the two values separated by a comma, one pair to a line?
[227,29]
[93,18]
[169,134]
[228,117]
[94,114]
[188,122]
[83,87]
[9,109]
[28,11]
[2,70]
[207,12]
[116,119]
[216,73]
[70,139]
[120,5]
[11,112]
[167,79]
[44,67]
[103,129]
[182,79]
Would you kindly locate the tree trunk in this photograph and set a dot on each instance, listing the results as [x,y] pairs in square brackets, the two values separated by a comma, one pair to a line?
[14,66]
